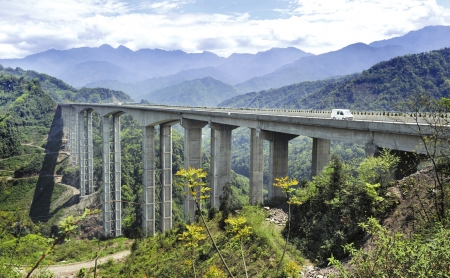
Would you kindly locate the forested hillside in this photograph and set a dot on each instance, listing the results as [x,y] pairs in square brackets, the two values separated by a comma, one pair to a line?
[285,97]
[199,92]
[378,88]
[61,92]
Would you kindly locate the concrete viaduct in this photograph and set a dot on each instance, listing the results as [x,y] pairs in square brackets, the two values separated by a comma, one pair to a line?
[275,126]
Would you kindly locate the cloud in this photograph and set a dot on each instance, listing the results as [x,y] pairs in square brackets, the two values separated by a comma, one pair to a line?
[317,26]
[163,6]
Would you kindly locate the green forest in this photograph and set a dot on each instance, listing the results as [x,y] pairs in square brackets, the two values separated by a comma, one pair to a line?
[330,216]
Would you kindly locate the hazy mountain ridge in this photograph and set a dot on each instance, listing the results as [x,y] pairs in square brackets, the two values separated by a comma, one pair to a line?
[142,72]
[205,92]
[138,89]
[350,59]
[382,86]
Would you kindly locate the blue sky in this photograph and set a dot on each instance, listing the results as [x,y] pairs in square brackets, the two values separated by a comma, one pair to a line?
[219,26]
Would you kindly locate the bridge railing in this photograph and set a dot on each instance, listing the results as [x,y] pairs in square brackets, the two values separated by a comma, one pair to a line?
[384,116]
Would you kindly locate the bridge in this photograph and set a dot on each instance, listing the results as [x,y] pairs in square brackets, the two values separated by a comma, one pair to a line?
[374,131]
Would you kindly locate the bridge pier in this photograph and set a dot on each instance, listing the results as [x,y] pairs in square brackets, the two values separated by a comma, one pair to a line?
[166,176]
[278,161]
[192,158]
[256,168]
[321,155]
[82,152]
[278,158]
[86,152]
[73,137]
[148,180]
[220,170]
[112,207]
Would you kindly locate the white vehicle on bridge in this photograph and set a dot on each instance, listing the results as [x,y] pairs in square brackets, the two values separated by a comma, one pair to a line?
[341,114]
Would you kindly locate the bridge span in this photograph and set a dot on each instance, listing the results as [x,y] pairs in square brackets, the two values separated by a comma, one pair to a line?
[276,126]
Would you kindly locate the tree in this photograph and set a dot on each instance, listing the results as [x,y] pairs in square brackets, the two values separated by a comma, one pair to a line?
[431,120]
[286,186]
[192,236]
[395,255]
[237,226]
[197,190]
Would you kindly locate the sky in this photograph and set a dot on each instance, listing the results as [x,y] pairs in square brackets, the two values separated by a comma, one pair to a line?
[219,26]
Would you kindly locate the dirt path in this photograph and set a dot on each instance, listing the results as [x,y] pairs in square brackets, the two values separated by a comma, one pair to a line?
[71,270]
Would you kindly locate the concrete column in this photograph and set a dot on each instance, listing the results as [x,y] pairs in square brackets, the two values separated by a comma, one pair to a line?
[214,164]
[371,150]
[112,207]
[82,152]
[256,168]
[192,157]
[66,121]
[148,180]
[117,175]
[166,177]
[278,161]
[220,160]
[74,137]
[320,155]
[107,207]
[90,154]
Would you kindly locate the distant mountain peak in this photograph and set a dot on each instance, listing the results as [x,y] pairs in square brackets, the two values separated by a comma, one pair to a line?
[105,46]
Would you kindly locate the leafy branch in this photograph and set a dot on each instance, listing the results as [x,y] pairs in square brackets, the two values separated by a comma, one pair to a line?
[198,191]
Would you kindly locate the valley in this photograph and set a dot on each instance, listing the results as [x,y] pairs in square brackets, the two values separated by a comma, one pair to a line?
[352,195]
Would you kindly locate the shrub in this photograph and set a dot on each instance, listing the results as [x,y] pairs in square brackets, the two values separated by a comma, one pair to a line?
[394,255]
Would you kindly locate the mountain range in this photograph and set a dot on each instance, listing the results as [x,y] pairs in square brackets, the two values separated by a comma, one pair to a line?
[385,86]
[160,76]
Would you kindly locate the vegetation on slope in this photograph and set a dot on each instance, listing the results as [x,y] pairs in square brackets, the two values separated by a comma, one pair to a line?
[167,256]
[198,92]
[59,91]
[284,97]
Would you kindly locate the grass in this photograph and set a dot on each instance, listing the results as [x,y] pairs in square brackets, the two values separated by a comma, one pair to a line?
[15,163]
[17,193]
[85,250]
[30,248]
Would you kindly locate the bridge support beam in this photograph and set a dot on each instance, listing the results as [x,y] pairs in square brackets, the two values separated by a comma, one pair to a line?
[112,207]
[220,171]
[148,180]
[192,157]
[256,168]
[166,176]
[321,155]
